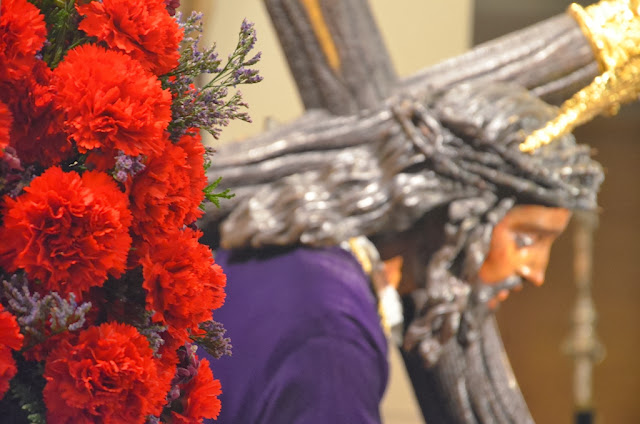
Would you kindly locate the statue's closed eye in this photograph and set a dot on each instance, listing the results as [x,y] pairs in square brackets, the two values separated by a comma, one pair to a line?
[523,240]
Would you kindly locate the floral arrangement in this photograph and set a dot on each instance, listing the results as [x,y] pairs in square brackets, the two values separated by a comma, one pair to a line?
[105,289]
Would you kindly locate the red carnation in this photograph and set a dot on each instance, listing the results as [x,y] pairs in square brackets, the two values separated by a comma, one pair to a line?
[200,397]
[167,194]
[70,232]
[194,149]
[37,133]
[182,281]
[22,34]
[143,29]
[111,103]
[5,125]
[10,339]
[108,375]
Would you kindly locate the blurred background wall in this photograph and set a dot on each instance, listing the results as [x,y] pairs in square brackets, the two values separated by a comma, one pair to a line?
[534,322]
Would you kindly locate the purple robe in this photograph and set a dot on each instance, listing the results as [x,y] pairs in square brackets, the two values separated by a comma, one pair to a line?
[307,342]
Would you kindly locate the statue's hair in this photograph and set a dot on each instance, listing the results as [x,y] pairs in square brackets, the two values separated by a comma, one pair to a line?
[337,177]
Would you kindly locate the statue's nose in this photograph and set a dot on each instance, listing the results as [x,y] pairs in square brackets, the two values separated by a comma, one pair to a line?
[532,274]
[534,264]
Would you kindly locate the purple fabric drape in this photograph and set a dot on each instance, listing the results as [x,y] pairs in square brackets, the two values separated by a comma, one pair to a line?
[307,342]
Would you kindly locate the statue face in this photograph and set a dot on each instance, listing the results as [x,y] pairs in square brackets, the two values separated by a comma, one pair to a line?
[521,243]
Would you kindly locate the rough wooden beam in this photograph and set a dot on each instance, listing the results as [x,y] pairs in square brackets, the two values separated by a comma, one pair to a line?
[551,58]
[335,53]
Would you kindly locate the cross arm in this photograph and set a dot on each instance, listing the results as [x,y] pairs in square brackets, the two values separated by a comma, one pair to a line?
[552,58]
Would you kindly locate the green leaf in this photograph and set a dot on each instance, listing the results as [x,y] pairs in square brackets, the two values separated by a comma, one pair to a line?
[26,394]
[214,198]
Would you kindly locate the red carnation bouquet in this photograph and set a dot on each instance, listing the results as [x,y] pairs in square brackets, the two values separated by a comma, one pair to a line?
[105,289]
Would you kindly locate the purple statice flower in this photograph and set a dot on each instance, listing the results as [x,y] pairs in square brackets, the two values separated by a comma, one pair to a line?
[210,106]
[127,166]
[213,340]
[152,331]
[241,73]
[66,314]
[38,316]
[208,156]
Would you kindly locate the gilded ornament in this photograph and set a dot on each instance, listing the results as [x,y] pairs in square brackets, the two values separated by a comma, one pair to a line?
[613,29]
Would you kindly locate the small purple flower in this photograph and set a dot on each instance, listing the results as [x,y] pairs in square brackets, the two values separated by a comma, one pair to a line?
[209,107]
[33,311]
[127,166]
[213,340]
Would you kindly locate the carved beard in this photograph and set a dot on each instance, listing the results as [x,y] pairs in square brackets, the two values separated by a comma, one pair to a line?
[457,361]
[486,291]
[453,302]
[451,309]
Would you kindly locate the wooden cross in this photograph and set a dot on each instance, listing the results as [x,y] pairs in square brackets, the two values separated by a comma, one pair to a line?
[349,89]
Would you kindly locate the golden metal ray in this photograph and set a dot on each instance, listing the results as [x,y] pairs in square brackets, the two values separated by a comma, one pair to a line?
[613,29]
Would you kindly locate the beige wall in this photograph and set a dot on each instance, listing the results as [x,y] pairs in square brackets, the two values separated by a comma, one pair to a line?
[417,33]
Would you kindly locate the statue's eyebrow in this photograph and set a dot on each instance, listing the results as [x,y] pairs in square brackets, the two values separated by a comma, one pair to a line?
[532,227]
